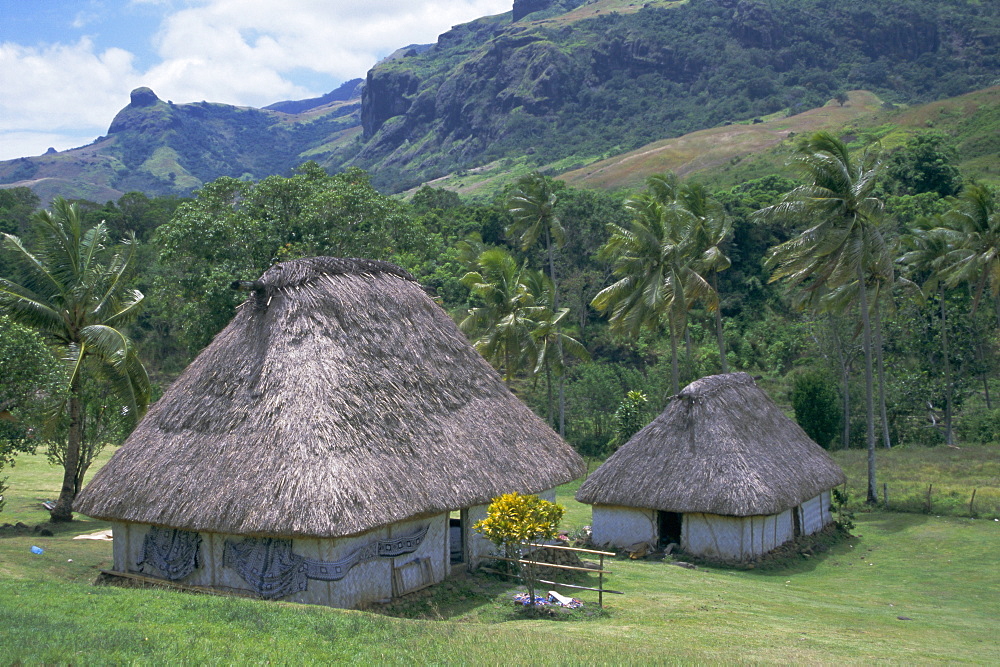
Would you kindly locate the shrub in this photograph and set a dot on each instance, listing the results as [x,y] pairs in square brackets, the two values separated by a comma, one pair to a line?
[981,426]
[514,520]
[816,402]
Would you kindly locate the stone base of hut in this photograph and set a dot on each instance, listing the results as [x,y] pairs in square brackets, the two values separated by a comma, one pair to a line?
[711,535]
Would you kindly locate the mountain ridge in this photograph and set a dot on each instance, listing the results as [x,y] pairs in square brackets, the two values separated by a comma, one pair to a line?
[561,83]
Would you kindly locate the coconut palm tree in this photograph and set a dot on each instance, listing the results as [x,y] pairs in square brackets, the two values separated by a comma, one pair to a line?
[975,256]
[928,245]
[710,228]
[550,339]
[74,290]
[841,244]
[657,283]
[532,204]
[502,327]
[976,260]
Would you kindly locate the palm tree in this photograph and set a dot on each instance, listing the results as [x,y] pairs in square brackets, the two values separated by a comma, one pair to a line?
[977,259]
[710,228]
[928,245]
[842,244]
[502,327]
[657,283]
[532,204]
[74,292]
[975,256]
[548,334]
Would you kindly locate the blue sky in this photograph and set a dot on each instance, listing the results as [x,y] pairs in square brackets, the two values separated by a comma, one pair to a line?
[67,67]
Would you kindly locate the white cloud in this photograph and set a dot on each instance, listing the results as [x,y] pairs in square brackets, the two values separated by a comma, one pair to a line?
[246,52]
[244,49]
[63,88]
[28,144]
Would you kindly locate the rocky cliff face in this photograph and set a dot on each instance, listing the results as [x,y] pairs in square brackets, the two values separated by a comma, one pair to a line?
[648,72]
[146,113]
[545,84]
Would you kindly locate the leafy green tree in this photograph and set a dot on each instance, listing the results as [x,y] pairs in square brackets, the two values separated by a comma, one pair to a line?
[235,229]
[842,244]
[514,521]
[593,391]
[630,417]
[30,378]
[16,208]
[817,406]
[74,291]
[924,164]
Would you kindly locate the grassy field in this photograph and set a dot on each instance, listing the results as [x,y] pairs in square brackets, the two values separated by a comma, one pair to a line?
[912,588]
[951,476]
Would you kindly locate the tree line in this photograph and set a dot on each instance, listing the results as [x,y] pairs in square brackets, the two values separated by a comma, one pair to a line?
[856,292]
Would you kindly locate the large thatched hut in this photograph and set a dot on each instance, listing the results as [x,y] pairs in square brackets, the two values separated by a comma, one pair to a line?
[721,471]
[334,445]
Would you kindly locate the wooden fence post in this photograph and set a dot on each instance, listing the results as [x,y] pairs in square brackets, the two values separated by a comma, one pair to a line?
[972,500]
[600,584]
[929,488]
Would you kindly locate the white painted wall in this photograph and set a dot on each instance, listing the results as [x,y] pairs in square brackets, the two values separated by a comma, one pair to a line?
[366,582]
[477,547]
[617,526]
[816,513]
[735,538]
[712,535]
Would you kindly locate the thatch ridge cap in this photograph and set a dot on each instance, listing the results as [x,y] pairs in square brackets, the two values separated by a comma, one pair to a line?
[297,272]
[713,384]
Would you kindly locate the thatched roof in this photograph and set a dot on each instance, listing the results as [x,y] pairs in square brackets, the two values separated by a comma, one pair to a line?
[339,399]
[721,446]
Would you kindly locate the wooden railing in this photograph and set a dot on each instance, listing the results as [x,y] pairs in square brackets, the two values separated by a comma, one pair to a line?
[531,562]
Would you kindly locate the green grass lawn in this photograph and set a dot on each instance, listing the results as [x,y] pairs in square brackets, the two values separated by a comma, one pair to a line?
[951,473]
[840,605]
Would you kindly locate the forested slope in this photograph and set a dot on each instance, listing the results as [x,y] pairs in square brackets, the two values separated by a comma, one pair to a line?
[555,84]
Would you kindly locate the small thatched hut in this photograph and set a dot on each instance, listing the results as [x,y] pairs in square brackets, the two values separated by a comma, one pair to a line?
[316,449]
[721,471]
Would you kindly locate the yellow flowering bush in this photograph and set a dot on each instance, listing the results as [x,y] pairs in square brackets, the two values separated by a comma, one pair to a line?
[513,520]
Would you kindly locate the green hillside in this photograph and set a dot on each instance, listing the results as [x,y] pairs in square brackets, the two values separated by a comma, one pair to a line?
[566,86]
[591,84]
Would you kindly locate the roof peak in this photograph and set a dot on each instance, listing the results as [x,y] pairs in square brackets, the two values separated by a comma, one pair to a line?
[300,271]
[712,384]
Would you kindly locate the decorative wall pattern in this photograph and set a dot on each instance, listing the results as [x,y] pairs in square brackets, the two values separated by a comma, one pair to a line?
[273,571]
[171,551]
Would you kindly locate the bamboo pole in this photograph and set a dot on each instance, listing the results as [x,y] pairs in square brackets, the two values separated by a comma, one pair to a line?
[551,583]
[558,567]
[586,551]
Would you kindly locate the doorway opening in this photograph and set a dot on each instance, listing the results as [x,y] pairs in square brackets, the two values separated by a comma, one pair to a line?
[670,524]
[456,536]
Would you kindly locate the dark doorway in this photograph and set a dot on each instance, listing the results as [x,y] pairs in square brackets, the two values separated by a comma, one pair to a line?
[456,537]
[670,527]
[797,521]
